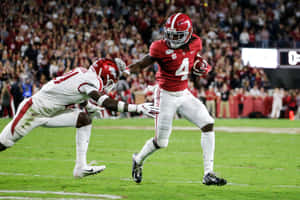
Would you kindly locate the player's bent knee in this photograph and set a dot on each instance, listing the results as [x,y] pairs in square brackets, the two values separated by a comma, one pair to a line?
[83,120]
[161,143]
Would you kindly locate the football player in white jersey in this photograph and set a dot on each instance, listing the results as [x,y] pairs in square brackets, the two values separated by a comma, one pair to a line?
[50,107]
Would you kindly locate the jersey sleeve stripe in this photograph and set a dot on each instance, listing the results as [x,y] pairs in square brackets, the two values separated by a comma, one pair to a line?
[65,77]
[83,70]
[85,83]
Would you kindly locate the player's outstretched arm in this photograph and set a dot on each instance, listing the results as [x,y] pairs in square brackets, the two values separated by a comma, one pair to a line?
[141,64]
[120,106]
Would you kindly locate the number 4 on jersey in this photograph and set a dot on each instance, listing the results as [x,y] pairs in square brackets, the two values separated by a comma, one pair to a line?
[183,70]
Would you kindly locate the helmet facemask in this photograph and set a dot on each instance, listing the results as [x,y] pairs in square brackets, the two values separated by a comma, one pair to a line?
[176,39]
[109,86]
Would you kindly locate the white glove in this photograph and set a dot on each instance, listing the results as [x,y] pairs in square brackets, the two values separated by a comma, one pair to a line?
[144,108]
[122,66]
[94,110]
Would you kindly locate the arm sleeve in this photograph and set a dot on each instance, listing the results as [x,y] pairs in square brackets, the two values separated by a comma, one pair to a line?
[155,50]
[86,88]
[200,48]
[200,44]
[89,82]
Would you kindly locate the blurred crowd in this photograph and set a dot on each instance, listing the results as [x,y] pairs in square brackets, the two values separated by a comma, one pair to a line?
[41,39]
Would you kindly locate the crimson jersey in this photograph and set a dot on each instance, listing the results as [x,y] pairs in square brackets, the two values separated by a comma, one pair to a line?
[174,64]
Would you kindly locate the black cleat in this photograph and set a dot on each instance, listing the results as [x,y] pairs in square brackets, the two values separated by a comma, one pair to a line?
[212,179]
[2,147]
[136,170]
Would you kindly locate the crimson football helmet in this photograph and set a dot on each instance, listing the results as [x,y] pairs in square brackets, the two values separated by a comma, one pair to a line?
[108,70]
[178,30]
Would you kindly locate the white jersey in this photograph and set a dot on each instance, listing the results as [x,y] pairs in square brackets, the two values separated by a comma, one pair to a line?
[70,88]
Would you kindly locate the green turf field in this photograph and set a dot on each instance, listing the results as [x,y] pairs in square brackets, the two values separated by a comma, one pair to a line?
[256,165]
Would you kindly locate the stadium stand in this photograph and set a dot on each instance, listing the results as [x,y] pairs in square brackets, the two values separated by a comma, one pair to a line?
[40,40]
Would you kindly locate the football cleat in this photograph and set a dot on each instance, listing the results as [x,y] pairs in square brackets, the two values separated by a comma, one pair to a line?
[212,179]
[2,147]
[136,170]
[87,171]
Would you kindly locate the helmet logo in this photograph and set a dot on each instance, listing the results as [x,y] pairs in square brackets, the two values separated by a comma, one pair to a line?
[186,22]
[113,72]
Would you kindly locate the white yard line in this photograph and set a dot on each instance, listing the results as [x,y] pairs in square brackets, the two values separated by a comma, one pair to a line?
[121,179]
[98,162]
[35,175]
[200,182]
[106,196]
[292,131]
[38,198]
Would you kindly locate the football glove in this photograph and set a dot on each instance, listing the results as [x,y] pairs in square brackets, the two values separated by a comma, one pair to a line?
[144,108]
[147,109]
[93,110]
[122,66]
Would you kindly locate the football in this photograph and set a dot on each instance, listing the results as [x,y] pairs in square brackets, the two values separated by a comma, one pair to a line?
[200,67]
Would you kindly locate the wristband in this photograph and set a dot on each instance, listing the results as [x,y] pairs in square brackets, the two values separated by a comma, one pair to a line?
[121,106]
[101,99]
[132,107]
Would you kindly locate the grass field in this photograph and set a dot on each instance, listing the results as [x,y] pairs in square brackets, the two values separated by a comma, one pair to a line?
[256,165]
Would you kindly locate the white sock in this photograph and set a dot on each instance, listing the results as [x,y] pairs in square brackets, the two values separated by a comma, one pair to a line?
[82,143]
[208,148]
[146,151]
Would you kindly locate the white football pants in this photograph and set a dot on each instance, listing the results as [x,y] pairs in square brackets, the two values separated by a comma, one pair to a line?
[27,119]
[182,102]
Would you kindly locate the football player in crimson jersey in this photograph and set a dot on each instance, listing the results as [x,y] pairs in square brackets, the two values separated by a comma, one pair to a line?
[50,107]
[177,55]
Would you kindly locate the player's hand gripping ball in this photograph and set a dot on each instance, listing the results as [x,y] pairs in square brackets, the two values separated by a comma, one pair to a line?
[201,67]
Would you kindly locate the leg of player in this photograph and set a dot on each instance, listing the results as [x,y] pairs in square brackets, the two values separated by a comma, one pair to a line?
[83,123]
[163,128]
[5,142]
[208,148]
[203,120]
[22,123]
[83,132]
[138,159]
